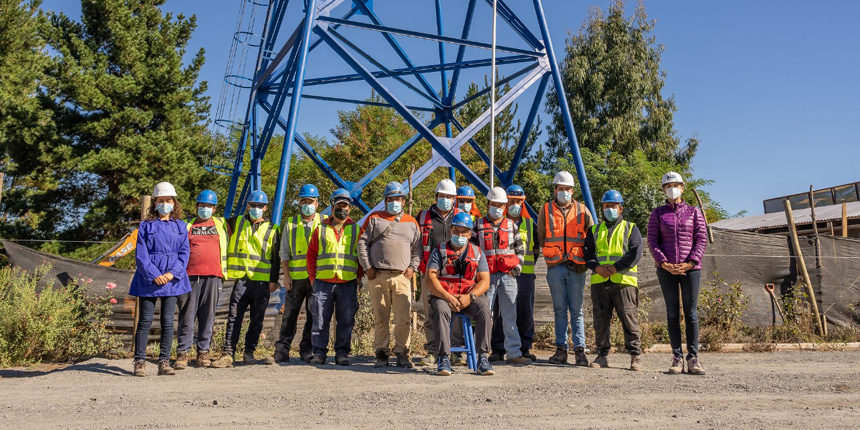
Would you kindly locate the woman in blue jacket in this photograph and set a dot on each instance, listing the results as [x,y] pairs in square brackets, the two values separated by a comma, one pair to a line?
[162,257]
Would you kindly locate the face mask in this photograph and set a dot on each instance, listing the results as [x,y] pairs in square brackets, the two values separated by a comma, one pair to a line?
[255,213]
[394,208]
[564,197]
[444,203]
[515,210]
[611,214]
[164,208]
[673,193]
[496,213]
[308,210]
[459,241]
[341,213]
[465,207]
[204,212]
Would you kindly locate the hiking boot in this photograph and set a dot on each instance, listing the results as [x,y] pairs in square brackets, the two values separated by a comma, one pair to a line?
[318,360]
[428,360]
[694,367]
[528,354]
[581,359]
[403,360]
[282,356]
[484,367]
[268,360]
[342,360]
[307,357]
[181,361]
[677,366]
[444,368]
[139,368]
[381,359]
[497,356]
[248,359]
[560,356]
[519,361]
[225,361]
[203,359]
[164,368]
[458,360]
[635,363]
[600,362]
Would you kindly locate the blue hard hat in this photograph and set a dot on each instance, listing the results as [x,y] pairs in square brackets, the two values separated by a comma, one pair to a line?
[258,196]
[339,195]
[515,191]
[208,197]
[612,196]
[394,189]
[462,219]
[309,191]
[465,191]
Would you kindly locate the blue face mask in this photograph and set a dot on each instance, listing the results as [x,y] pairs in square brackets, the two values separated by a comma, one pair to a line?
[164,208]
[255,213]
[496,213]
[204,212]
[459,241]
[564,197]
[394,208]
[308,210]
[465,207]
[611,214]
[515,210]
[444,203]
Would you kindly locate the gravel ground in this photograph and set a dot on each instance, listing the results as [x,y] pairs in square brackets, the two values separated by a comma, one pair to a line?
[769,390]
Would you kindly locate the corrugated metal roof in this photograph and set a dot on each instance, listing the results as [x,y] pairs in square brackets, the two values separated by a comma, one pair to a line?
[777,219]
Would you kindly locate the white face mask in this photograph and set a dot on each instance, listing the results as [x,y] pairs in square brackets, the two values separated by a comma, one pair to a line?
[465,207]
[673,193]
[515,210]
[564,197]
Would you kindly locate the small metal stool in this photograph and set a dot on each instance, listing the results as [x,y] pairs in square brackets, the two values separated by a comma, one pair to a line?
[469,340]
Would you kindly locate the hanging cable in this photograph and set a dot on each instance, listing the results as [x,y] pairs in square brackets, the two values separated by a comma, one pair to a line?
[493,102]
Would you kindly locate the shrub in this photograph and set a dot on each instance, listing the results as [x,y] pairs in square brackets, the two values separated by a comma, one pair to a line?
[55,324]
[720,312]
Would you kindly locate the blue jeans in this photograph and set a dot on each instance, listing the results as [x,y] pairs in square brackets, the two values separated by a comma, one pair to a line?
[525,316]
[282,297]
[503,287]
[340,300]
[689,285]
[566,288]
[146,311]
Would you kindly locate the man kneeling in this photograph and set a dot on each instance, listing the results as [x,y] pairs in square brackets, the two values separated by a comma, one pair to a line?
[458,278]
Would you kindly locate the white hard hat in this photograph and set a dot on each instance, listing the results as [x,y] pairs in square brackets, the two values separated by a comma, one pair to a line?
[497,195]
[563,178]
[163,189]
[446,186]
[672,177]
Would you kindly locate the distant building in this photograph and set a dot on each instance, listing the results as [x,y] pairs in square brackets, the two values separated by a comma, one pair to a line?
[825,197]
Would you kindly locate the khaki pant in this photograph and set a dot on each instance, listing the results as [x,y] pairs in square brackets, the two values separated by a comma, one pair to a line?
[390,290]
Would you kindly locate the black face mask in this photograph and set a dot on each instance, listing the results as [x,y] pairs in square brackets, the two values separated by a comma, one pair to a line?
[460,265]
[341,213]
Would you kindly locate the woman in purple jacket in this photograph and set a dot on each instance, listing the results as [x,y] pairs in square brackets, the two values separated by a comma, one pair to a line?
[162,257]
[677,238]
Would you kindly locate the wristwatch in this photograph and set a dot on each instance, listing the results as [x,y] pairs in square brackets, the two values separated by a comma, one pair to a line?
[473,297]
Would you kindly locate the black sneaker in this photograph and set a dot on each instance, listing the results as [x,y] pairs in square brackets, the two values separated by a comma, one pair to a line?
[381,360]
[307,357]
[318,360]
[444,368]
[342,360]
[581,359]
[484,367]
[560,356]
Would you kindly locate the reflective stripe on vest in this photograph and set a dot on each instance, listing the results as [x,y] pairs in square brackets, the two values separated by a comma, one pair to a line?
[425,220]
[338,258]
[500,256]
[249,253]
[565,233]
[299,244]
[221,228]
[448,277]
[526,230]
[610,249]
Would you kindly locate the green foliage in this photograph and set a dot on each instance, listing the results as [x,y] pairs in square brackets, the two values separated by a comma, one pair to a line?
[720,311]
[52,324]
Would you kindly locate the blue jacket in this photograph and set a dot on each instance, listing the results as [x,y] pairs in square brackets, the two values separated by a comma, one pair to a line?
[162,246]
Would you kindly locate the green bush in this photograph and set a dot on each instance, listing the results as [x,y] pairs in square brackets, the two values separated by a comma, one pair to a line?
[55,324]
[720,312]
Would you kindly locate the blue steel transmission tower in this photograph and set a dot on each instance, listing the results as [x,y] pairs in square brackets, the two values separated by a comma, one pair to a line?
[277,85]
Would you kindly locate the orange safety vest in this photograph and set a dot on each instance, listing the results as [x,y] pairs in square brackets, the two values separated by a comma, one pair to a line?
[425,220]
[452,282]
[565,235]
[500,256]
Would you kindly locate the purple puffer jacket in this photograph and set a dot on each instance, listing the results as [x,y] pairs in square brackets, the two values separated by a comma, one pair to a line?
[677,234]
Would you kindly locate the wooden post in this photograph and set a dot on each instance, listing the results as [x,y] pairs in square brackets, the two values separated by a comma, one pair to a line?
[817,247]
[707,226]
[844,219]
[1,186]
[414,283]
[830,224]
[801,265]
[145,204]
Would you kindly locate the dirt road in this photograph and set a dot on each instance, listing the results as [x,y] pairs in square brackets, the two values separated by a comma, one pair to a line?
[786,389]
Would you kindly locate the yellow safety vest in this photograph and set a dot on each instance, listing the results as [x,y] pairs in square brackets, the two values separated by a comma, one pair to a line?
[249,253]
[221,227]
[337,258]
[299,244]
[527,233]
[610,249]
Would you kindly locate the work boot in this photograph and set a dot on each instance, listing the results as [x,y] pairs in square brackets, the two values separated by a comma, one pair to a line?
[164,368]
[677,366]
[307,357]
[484,367]
[601,362]
[203,359]
[428,360]
[404,361]
[444,368]
[528,354]
[282,356]
[248,359]
[560,356]
[581,359]
[458,360]
[519,361]
[381,359]
[496,357]
[139,368]
[225,361]
[318,360]
[694,367]
[181,361]
[635,363]
[342,360]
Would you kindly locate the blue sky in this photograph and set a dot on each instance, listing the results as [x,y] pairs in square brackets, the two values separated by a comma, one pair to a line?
[769,87]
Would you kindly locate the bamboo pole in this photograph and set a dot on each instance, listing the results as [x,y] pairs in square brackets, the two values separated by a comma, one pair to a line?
[798,255]
[145,204]
[844,219]
[817,249]
[707,226]
[2,176]
[412,314]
